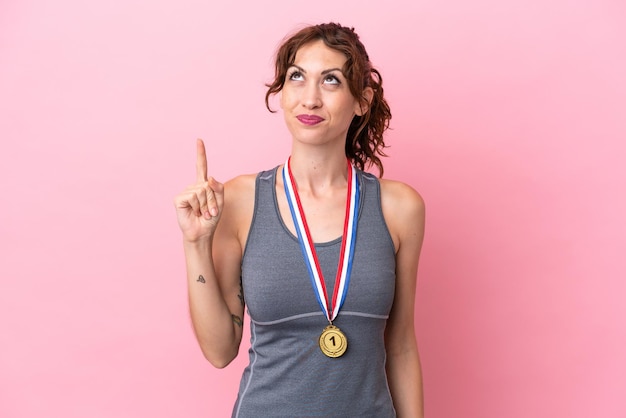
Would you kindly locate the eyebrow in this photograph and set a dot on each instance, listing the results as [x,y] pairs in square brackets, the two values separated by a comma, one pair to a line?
[330,70]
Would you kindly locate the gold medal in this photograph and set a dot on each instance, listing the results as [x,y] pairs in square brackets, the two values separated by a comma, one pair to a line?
[333,342]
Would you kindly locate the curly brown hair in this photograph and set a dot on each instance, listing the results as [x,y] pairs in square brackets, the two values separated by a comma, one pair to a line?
[364,142]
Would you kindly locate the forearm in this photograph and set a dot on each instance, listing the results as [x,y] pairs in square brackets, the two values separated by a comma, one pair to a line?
[404,375]
[213,322]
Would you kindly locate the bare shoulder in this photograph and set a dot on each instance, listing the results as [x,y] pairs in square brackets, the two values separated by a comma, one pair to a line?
[241,185]
[238,205]
[402,198]
[403,209]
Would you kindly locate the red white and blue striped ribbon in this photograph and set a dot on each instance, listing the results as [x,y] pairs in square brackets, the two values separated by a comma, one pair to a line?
[342,279]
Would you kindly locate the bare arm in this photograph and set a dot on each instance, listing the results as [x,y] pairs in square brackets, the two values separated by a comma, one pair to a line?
[209,222]
[404,213]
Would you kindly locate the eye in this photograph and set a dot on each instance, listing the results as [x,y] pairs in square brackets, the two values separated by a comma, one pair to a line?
[295,75]
[331,79]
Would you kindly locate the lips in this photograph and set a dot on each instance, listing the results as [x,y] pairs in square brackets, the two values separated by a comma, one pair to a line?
[309,119]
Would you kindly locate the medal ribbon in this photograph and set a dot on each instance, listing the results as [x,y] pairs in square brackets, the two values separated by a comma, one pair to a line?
[342,279]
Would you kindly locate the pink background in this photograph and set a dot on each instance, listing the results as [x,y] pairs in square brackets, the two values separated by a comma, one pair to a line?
[509,118]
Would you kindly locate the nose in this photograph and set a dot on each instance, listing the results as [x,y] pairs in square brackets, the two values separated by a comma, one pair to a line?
[311,97]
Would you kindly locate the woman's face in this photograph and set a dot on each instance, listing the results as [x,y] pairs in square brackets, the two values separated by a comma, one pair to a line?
[316,100]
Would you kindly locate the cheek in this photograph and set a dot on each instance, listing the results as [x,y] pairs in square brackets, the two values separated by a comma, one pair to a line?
[353,104]
[350,108]
[286,99]
[281,99]
[346,105]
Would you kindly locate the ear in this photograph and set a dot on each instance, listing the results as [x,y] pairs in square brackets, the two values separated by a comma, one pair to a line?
[362,106]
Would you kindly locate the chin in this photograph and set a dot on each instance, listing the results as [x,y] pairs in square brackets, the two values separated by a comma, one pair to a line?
[310,138]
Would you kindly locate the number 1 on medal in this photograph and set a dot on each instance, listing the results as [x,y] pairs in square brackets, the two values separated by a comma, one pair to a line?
[333,342]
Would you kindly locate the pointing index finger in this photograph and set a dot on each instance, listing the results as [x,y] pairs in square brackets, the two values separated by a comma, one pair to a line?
[201,166]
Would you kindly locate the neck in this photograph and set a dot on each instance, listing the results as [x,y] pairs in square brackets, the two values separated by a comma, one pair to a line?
[318,171]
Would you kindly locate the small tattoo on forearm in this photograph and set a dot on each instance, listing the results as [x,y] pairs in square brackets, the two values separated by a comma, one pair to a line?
[240,295]
[201,279]
[237,320]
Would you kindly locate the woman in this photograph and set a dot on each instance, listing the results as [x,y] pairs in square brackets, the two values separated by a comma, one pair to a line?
[325,254]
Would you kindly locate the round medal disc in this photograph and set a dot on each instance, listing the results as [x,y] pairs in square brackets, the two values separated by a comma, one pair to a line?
[333,342]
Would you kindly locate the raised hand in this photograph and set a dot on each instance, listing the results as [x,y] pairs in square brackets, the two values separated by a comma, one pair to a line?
[199,206]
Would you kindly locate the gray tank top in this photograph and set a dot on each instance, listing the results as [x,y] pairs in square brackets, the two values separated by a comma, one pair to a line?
[288,375]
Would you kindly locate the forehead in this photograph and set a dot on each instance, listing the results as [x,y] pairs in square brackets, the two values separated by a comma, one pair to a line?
[316,55]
